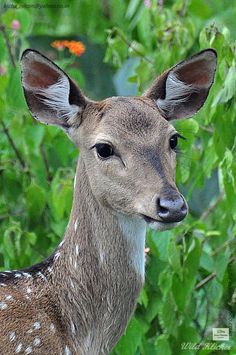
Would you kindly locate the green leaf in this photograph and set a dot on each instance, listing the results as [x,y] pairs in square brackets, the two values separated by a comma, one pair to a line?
[131,339]
[154,306]
[187,335]
[8,241]
[229,88]
[192,259]
[180,292]
[165,281]
[206,261]
[11,185]
[221,263]
[14,90]
[185,286]
[200,8]
[61,198]
[3,49]
[162,345]
[35,201]
[143,298]
[167,314]
[132,8]
[161,243]
[214,291]
[142,74]
[34,136]
[174,257]
[189,127]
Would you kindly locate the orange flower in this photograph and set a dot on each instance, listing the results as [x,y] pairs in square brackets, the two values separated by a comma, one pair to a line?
[74,47]
[58,45]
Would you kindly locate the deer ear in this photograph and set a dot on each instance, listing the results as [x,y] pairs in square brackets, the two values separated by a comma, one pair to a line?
[182,90]
[51,95]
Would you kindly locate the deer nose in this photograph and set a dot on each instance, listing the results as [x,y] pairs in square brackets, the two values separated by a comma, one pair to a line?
[171,209]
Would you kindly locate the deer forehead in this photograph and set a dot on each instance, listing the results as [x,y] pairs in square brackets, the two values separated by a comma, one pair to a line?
[125,120]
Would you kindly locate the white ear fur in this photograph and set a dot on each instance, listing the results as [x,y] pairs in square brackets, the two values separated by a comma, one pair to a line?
[56,97]
[177,92]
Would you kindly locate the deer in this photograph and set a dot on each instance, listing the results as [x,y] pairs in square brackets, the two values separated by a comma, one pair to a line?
[79,300]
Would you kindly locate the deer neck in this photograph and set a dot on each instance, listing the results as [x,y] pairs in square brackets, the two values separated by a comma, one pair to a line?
[101,262]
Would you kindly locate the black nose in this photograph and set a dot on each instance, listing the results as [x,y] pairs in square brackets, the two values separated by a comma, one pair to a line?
[171,208]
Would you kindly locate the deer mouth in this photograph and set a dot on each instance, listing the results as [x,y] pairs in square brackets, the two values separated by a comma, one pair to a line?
[159,225]
[152,220]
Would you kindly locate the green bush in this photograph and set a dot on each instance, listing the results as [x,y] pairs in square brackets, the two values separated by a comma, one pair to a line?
[190,271]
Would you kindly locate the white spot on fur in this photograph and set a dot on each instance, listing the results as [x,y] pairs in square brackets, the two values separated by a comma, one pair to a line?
[76,225]
[72,284]
[12,336]
[18,275]
[77,249]
[3,306]
[102,256]
[19,348]
[9,298]
[49,269]
[67,351]
[52,328]
[37,341]
[37,325]
[28,290]
[26,274]
[61,244]
[3,285]
[134,230]
[57,255]
[42,276]
[72,328]
[28,350]
[87,341]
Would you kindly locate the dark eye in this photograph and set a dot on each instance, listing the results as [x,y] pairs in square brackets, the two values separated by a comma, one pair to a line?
[104,150]
[174,141]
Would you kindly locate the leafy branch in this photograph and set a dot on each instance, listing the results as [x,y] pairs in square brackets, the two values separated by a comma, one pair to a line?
[115,32]
[211,276]
[4,33]
[45,160]
[211,208]
[10,140]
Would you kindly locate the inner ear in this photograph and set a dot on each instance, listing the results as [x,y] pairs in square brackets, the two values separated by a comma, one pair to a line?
[182,90]
[41,76]
[197,74]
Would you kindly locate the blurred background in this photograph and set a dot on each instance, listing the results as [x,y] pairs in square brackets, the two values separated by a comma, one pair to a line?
[118,48]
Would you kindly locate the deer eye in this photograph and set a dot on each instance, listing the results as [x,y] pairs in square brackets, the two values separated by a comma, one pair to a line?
[174,141]
[104,150]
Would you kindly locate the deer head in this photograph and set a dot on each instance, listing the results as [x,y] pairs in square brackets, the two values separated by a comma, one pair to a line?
[127,144]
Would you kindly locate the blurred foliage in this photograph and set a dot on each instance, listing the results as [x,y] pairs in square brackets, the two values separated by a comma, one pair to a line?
[191,271]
